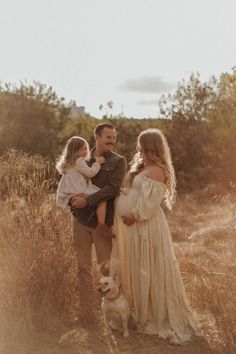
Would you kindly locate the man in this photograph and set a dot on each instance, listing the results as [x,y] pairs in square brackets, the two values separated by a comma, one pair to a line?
[109,180]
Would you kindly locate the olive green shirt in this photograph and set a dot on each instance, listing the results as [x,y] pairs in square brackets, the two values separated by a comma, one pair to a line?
[109,180]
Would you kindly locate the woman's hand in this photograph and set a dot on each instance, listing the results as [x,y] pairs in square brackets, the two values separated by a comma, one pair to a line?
[128,219]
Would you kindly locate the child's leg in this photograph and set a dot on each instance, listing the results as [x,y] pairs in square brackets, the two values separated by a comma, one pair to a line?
[101,212]
[102,229]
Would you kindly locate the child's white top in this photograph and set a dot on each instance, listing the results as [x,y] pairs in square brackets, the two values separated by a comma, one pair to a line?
[76,180]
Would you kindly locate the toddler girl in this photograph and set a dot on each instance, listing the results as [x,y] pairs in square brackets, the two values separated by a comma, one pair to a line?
[76,177]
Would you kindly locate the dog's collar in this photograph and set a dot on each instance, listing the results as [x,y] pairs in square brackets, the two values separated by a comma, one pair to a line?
[113,299]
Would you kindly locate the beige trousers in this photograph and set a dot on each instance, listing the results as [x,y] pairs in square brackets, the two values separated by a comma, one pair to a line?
[83,238]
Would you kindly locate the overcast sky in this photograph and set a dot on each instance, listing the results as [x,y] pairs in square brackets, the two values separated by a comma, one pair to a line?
[127,51]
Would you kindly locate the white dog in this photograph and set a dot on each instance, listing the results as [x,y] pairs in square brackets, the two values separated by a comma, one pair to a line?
[115,307]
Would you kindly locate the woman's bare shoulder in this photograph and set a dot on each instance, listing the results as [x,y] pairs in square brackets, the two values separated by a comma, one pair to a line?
[156,173]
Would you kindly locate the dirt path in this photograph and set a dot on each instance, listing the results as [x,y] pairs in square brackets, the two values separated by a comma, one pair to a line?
[95,341]
[75,339]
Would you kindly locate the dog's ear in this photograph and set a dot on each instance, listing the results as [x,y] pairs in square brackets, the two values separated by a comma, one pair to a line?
[116,277]
[105,268]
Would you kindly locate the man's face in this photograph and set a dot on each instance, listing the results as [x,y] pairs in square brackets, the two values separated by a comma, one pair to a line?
[106,140]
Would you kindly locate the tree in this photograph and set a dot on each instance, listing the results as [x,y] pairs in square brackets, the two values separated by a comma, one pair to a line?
[202,133]
[32,118]
[222,122]
[192,100]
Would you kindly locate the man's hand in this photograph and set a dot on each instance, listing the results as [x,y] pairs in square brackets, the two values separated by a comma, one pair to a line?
[79,202]
[129,219]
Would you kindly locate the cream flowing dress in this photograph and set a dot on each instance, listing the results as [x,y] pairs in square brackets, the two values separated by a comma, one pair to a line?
[148,268]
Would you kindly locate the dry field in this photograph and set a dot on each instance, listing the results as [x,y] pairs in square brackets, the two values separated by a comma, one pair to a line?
[38,297]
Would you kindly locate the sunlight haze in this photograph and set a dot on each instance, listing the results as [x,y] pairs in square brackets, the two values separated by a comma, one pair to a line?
[128,51]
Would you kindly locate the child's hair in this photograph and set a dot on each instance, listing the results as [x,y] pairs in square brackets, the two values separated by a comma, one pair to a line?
[156,150]
[70,153]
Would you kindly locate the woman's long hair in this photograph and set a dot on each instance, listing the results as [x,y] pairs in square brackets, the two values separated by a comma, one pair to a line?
[155,150]
[70,153]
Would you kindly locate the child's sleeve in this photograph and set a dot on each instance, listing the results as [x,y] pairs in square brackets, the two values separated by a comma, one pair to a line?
[85,170]
[62,198]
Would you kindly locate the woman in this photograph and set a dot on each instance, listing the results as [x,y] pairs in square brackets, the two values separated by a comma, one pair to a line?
[143,248]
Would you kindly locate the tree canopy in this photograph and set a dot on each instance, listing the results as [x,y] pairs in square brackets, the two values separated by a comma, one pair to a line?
[198,119]
[32,118]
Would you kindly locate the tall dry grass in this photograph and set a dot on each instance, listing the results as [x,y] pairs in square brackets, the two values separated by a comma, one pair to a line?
[38,269]
[204,228]
[37,266]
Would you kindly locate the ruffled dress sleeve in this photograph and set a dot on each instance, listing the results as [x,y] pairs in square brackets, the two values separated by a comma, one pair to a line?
[148,203]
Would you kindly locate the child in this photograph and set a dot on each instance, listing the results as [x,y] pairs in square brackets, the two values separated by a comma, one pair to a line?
[76,177]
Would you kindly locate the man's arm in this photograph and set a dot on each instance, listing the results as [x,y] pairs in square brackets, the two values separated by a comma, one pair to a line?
[112,187]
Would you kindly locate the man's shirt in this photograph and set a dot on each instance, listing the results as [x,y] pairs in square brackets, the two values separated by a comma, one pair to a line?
[109,179]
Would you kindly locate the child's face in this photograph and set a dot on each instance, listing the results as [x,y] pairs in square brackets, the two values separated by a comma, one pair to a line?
[83,151]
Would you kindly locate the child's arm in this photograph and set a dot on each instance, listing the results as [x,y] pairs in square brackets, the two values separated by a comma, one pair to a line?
[85,170]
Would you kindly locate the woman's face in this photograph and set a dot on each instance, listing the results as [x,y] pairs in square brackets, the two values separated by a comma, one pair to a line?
[140,149]
[146,156]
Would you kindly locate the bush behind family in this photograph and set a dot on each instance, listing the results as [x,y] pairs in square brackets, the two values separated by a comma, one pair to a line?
[198,120]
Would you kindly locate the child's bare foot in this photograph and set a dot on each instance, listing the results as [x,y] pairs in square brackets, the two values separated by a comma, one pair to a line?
[104,231]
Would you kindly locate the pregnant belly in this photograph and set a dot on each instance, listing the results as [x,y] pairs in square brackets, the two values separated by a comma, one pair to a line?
[126,202]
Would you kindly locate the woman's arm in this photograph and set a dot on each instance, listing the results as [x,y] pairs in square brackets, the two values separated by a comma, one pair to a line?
[149,198]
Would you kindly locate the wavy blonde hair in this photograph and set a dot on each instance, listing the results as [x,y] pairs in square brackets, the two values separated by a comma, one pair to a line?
[70,153]
[156,151]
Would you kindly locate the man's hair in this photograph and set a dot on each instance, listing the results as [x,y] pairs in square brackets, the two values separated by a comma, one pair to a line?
[99,128]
